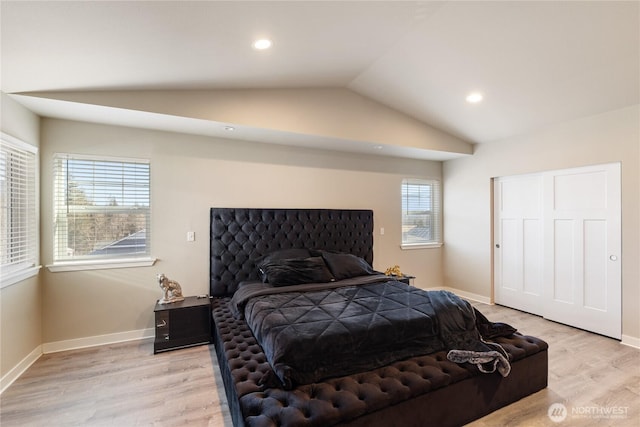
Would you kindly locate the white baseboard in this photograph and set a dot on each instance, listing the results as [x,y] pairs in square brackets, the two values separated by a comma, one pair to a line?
[54,347]
[630,341]
[20,368]
[471,296]
[463,294]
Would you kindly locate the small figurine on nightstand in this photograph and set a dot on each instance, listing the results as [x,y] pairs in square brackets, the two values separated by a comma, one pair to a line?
[393,271]
[172,290]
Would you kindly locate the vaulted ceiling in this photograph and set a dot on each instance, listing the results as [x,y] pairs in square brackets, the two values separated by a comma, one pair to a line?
[536,63]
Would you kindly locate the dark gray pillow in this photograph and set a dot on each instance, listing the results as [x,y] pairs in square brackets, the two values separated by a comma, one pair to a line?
[296,271]
[344,266]
[299,253]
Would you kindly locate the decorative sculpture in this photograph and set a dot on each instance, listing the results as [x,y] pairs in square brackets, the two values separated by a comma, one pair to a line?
[172,290]
[393,271]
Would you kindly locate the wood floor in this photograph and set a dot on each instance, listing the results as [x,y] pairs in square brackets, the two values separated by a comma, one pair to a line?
[126,385]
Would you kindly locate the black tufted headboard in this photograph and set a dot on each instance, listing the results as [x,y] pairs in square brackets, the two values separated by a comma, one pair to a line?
[240,235]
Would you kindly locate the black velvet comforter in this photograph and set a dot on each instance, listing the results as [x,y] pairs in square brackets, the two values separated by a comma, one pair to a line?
[312,332]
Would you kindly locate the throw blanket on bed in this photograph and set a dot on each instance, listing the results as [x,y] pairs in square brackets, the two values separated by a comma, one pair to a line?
[309,333]
[459,329]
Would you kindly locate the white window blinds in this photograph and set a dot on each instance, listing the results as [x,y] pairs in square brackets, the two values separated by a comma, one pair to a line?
[102,208]
[18,205]
[421,212]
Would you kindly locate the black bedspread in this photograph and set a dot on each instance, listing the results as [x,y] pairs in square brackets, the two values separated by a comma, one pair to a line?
[308,335]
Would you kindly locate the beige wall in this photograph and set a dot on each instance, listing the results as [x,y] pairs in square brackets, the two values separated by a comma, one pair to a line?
[190,174]
[604,138]
[20,303]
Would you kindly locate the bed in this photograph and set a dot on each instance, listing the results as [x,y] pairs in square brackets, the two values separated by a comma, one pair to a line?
[410,388]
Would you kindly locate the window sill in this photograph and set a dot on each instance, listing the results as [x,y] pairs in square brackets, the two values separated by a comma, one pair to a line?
[59,267]
[18,276]
[421,246]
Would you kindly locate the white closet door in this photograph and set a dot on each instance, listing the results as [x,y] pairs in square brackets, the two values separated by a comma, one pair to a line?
[518,246]
[558,246]
[583,248]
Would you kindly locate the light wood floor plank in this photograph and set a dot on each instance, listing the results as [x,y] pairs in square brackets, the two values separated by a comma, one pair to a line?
[126,385]
[587,372]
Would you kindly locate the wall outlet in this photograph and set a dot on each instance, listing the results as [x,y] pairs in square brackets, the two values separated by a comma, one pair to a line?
[191,236]
[382,231]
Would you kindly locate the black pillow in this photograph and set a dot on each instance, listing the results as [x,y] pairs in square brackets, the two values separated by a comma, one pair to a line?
[300,253]
[296,271]
[344,266]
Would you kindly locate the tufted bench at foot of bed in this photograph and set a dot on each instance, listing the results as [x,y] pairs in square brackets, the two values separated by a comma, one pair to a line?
[420,391]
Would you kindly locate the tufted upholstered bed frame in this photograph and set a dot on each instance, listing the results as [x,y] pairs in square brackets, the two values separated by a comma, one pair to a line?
[420,391]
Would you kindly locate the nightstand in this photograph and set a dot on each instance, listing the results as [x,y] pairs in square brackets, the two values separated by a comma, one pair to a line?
[405,279]
[182,324]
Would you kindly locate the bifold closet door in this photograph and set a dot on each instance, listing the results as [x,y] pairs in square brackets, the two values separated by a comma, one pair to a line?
[558,246]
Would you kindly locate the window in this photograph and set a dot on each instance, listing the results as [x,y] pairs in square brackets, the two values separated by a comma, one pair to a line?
[421,213]
[18,210]
[102,209]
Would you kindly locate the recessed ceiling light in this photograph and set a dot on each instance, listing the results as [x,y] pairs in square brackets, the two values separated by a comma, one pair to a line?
[474,97]
[378,147]
[229,128]
[262,44]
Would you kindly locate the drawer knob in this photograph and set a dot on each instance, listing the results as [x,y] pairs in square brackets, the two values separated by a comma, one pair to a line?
[162,324]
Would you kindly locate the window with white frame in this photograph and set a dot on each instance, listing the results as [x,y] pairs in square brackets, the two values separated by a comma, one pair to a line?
[102,208]
[18,209]
[421,213]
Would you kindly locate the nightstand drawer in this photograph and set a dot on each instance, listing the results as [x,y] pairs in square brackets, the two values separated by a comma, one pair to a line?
[162,320]
[162,326]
